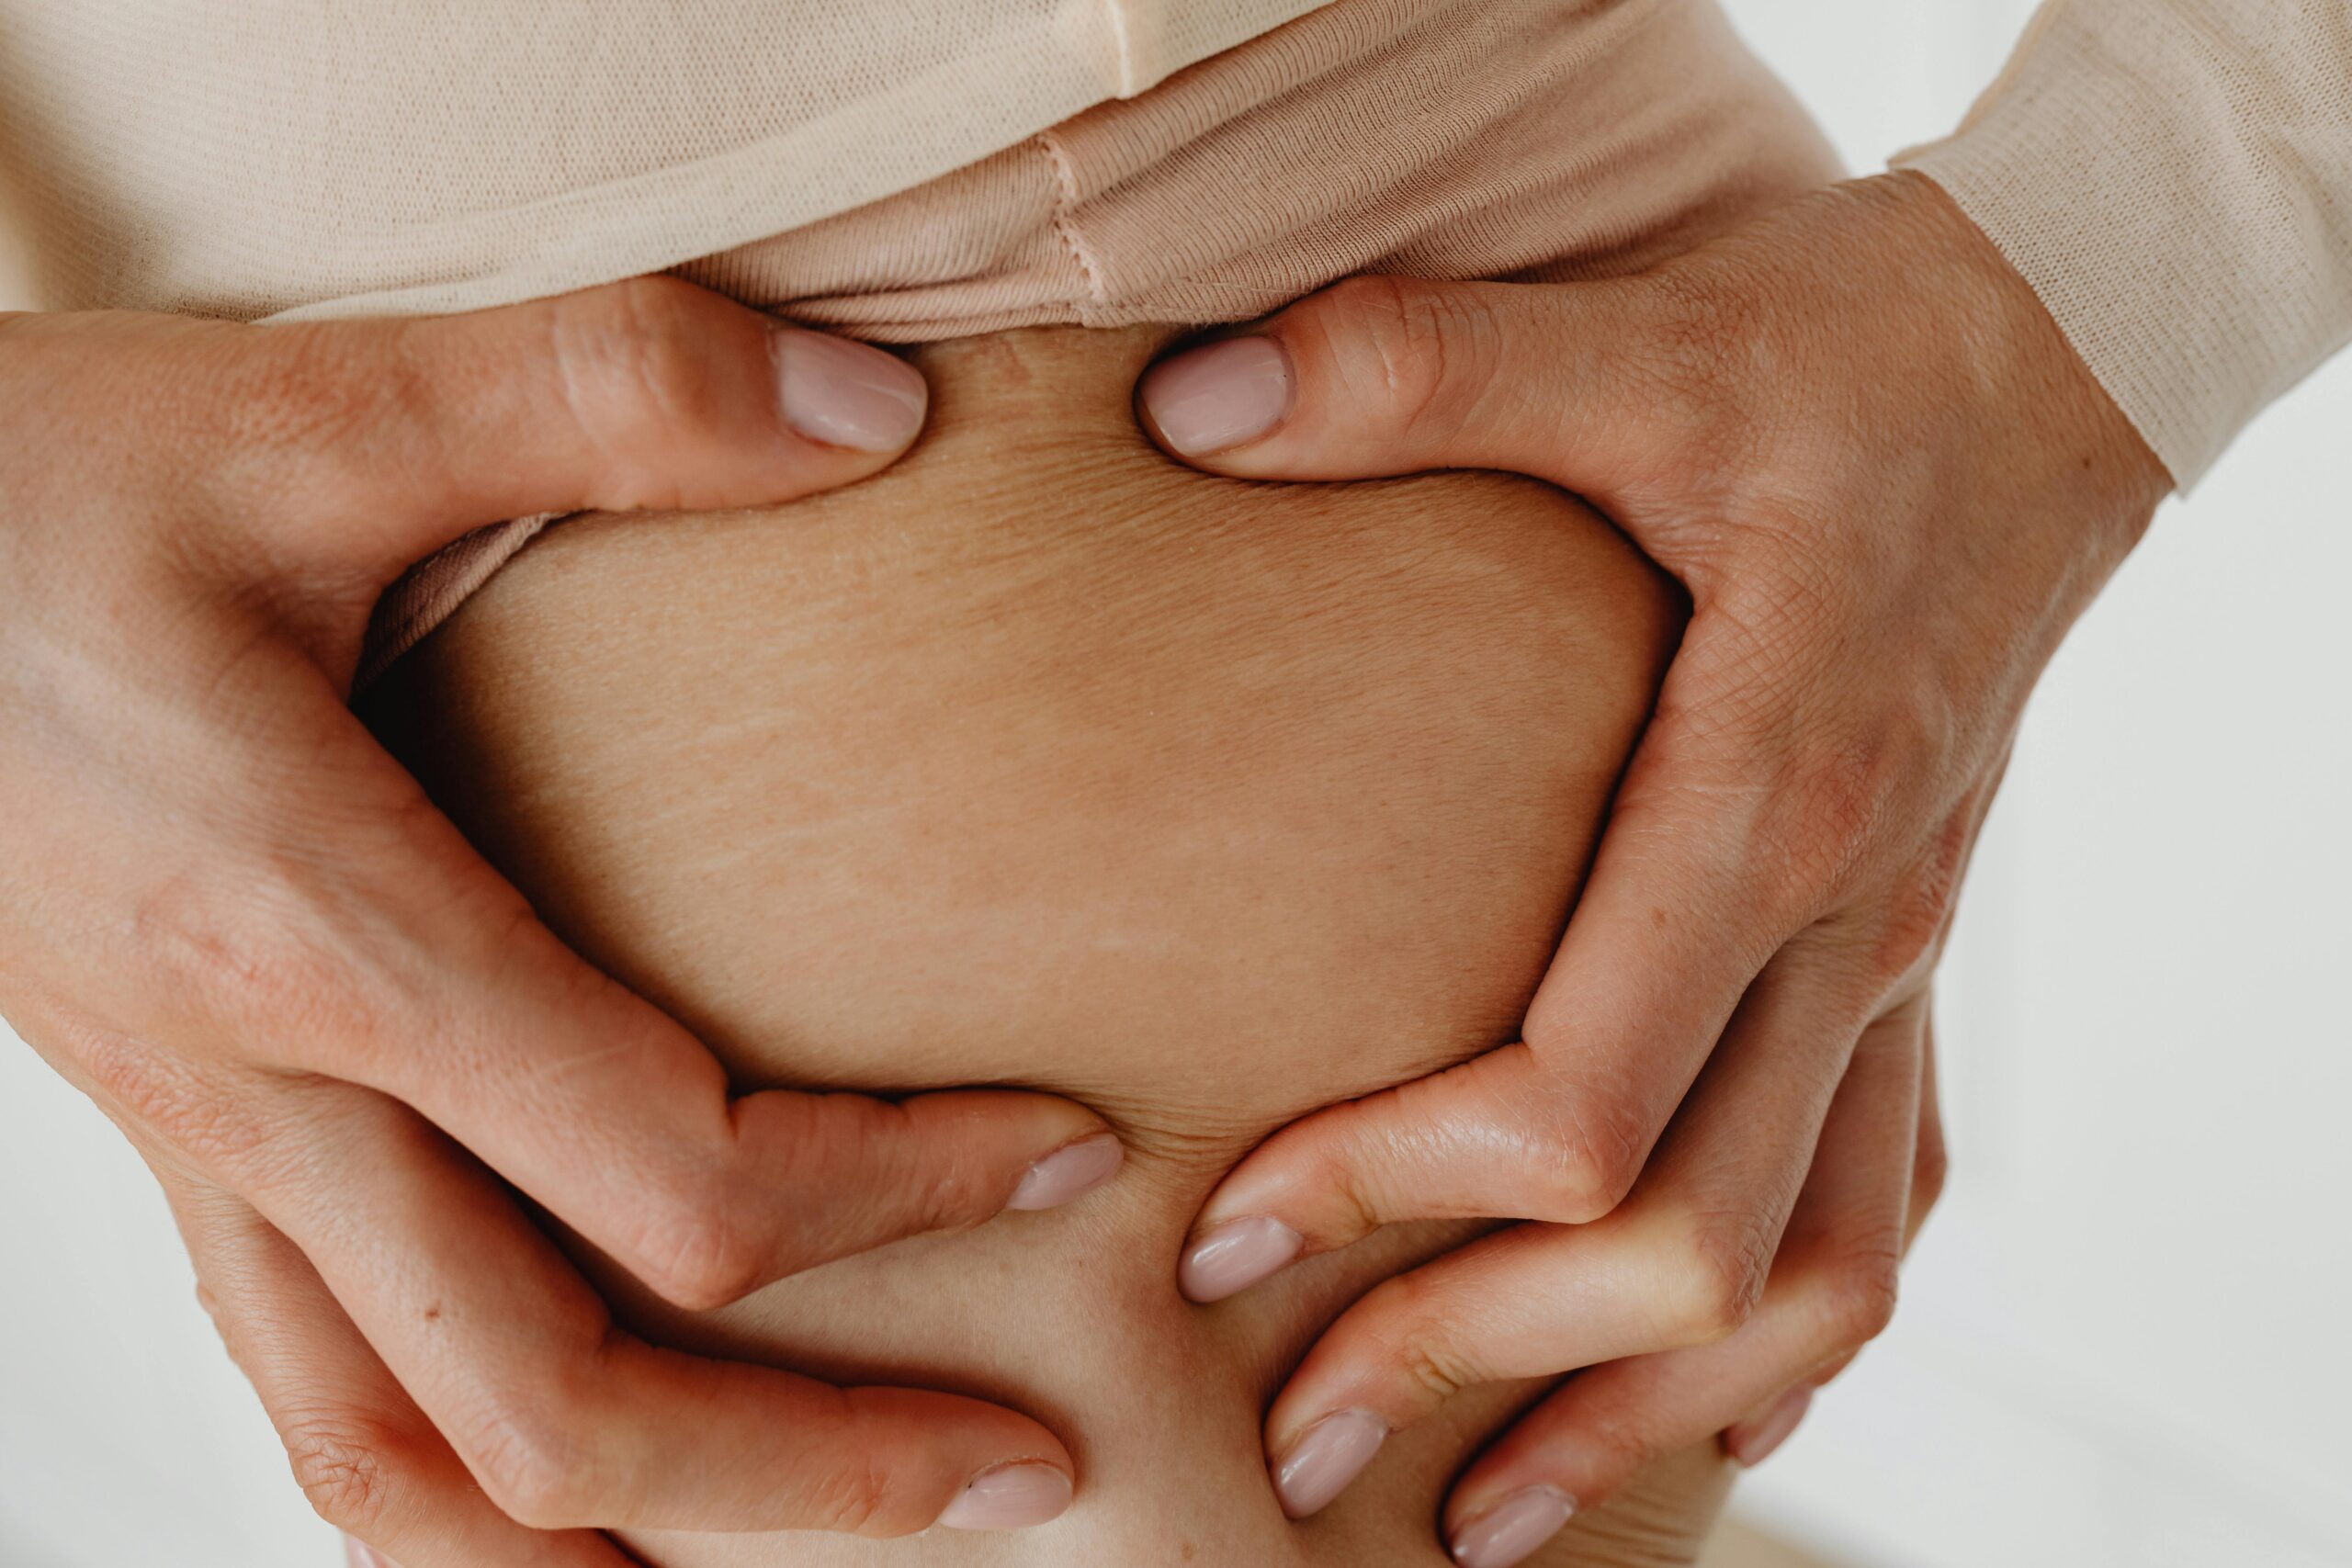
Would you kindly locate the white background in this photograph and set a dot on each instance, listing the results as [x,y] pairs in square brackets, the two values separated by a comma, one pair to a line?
[2124,1338]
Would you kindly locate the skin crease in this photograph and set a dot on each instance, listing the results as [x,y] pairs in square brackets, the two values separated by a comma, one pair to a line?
[1206,803]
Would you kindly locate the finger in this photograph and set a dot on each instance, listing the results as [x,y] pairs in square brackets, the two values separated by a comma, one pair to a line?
[381,440]
[1681,1263]
[1751,1443]
[434,982]
[1693,888]
[1500,1136]
[566,1420]
[1516,1134]
[1931,1161]
[1379,376]
[1831,1290]
[364,1454]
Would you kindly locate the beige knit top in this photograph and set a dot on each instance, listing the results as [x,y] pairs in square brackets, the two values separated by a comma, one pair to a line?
[2174,176]
[2175,179]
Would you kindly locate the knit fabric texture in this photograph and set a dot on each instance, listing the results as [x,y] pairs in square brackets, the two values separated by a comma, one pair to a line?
[2175,179]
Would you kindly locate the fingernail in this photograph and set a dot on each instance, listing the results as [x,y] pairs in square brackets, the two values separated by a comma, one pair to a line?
[846,393]
[1752,1442]
[1206,400]
[1236,1255]
[359,1556]
[1009,1497]
[1510,1531]
[1068,1173]
[1320,1464]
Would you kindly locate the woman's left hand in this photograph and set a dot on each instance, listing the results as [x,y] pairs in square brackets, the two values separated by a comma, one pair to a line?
[1851,432]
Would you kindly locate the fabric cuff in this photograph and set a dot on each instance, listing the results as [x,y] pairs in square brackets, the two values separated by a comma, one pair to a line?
[2174,178]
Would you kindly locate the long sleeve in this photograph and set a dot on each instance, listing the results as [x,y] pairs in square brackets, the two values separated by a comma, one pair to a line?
[2173,177]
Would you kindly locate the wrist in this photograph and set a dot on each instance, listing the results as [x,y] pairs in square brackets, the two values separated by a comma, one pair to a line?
[2011,345]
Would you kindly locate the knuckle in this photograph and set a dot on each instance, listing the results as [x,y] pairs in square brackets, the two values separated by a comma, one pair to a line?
[1930,1169]
[1716,1279]
[1620,1447]
[638,349]
[1591,1156]
[701,1259]
[1865,784]
[1913,929]
[1424,352]
[1859,1302]
[851,1496]
[948,1188]
[183,1105]
[1921,909]
[1355,1198]
[533,1461]
[210,1304]
[1337,1153]
[339,1461]
[243,1354]
[1407,1319]
[1838,797]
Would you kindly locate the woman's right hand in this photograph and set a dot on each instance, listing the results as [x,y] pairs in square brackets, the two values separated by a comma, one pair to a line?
[336,1035]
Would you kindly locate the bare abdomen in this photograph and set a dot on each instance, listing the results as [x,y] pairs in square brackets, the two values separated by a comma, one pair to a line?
[1041,760]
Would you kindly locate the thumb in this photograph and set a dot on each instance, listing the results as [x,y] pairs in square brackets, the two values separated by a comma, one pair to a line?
[386,439]
[1380,376]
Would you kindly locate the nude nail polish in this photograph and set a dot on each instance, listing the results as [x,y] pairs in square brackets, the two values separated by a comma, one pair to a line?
[359,1556]
[1236,1255]
[1320,1464]
[1513,1529]
[1753,1442]
[1068,1173]
[847,394]
[1220,396]
[1009,1497]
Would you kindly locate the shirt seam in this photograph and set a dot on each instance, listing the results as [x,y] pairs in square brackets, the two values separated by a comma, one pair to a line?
[1065,219]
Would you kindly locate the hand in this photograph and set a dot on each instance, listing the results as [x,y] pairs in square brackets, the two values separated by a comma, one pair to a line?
[230,918]
[1888,485]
